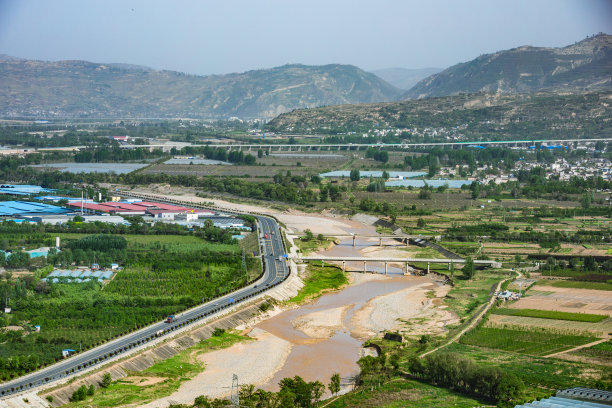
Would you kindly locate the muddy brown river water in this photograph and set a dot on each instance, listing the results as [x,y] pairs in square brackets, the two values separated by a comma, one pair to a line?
[318,358]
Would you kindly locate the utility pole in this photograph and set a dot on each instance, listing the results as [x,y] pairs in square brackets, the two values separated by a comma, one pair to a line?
[244,265]
[235,399]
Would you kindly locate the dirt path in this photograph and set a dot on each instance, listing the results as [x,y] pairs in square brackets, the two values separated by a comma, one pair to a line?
[593,343]
[475,320]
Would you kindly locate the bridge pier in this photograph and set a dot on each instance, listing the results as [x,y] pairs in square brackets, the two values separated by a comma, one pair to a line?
[343,266]
[380,242]
[364,267]
[385,268]
[354,236]
[406,270]
[428,267]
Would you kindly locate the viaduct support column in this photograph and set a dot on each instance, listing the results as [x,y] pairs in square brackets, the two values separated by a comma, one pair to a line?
[380,242]
[343,266]
[427,267]
[364,267]
[354,241]
[385,268]
[406,270]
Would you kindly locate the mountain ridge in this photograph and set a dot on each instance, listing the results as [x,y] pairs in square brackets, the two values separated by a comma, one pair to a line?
[77,88]
[580,67]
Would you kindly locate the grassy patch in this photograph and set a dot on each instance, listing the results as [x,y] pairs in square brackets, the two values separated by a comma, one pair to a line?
[405,393]
[467,295]
[320,278]
[542,376]
[550,314]
[536,342]
[312,245]
[174,371]
[578,284]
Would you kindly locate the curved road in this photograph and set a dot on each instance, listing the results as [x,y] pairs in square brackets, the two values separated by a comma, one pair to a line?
[275,272]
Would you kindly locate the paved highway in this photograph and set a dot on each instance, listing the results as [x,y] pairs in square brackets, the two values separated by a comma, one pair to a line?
[343,146]
[275,272]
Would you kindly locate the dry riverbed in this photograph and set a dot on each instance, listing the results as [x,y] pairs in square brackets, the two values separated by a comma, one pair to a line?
[319,338]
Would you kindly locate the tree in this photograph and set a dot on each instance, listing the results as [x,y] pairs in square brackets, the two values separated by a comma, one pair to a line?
[385,175]
[421,223]
[509,389]
[259,153]
[424,194]
[585,201]
[468,268]
[475,187]
[106,380]
[355,175]
[201,402]
[317,390]
[334,384]
[308,235]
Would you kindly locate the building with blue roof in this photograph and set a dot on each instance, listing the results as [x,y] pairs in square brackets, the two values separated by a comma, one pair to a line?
[22,189]
[21,208]
[574,397]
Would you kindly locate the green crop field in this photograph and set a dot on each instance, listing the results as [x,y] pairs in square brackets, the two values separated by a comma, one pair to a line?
[161,275]
[535,342]
[550,314]
[578,284]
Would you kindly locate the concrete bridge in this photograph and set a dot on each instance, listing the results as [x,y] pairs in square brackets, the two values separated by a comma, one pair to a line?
[403,239]
[387,261]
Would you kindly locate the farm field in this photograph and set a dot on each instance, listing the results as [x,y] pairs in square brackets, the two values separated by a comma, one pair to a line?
[603,286]
[162,275]
[525,340]
[550,314]
[542,376]
[543,296]
[600,353]
[598,329]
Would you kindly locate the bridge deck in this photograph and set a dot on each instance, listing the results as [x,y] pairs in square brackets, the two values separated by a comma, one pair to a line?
[391,260]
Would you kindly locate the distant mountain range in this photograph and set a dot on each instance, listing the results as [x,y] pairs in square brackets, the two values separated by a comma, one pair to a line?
[584,66]
[86,89]
[404,78]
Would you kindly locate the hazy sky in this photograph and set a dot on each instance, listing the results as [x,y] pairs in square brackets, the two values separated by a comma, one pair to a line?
[216,37]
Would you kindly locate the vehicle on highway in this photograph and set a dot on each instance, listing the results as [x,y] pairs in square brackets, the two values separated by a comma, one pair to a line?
[170,319]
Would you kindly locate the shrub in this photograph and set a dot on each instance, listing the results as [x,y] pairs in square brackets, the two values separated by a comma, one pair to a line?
[106,380]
